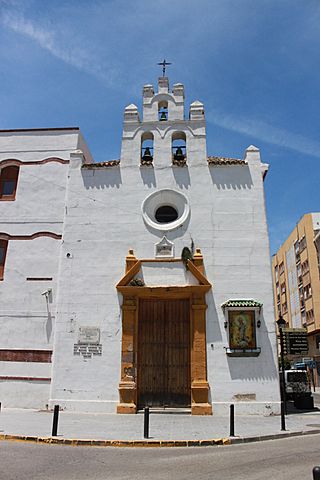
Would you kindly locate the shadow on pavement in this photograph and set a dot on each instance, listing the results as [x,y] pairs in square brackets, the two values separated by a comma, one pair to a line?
[292,410]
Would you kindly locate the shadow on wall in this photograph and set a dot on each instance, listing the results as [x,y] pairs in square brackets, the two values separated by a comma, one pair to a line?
[148,176]
[108,177]
[48,299]
[213,326]
[235,177]
[182,177]
[49,326]
[171,235]
[263,367]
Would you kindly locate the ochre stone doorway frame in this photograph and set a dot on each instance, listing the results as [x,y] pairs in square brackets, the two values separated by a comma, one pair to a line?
[130,313]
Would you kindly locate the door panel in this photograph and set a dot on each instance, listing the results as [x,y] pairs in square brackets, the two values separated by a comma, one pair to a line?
[164,353]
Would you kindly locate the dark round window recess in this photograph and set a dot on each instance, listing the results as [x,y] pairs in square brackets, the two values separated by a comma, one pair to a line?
[166,214]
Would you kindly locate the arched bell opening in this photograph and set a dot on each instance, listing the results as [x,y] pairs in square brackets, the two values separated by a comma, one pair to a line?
[163,111]
[147,148]
[179,148]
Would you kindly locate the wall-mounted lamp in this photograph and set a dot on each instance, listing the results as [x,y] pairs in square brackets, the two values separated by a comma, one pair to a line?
[47,292]
[225,324]
[259,323]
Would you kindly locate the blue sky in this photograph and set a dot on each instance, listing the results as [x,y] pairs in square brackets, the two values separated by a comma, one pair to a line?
[254,63]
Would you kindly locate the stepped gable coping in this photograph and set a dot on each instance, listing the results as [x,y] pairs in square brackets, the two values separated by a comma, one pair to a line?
[212,160]
[110,163]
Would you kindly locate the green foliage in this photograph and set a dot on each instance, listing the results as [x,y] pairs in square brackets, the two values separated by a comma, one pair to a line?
[185,256]
[137,282]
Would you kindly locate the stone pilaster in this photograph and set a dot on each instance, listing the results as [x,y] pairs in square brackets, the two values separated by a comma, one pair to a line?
[199,385]
[128,385]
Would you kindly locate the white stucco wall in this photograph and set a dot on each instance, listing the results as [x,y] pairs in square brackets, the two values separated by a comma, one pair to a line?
[104,220]
[98,212]
[35,144]
[26,316]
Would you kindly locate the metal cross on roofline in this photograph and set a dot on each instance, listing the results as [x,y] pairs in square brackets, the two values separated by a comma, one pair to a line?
[164,64]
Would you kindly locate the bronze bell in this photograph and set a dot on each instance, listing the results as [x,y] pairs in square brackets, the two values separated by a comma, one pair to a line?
[147,155]
[179,154]
[163,116]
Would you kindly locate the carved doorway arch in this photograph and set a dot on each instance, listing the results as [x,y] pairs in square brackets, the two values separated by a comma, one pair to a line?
[132,294]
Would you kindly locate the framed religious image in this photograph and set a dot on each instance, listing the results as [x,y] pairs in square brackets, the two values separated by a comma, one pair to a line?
[242,331]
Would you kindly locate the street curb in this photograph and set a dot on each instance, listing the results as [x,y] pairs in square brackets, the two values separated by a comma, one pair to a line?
[152,443]
[262,438]
[115,443]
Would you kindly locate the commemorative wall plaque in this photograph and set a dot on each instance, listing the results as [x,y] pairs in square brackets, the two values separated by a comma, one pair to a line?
[89,335]
[88,342]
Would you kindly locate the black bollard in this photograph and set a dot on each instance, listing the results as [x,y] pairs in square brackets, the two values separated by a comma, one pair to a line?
[231,420]
[283,418]
[0,406]
[55,420]
[146,423]
[316,473]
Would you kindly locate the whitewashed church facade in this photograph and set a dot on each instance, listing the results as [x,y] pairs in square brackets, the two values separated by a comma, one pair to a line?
[139,281]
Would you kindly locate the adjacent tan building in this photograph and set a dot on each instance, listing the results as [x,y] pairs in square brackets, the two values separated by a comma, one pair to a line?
[296,282]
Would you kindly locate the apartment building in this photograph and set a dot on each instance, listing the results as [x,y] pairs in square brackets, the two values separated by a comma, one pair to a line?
[296,282]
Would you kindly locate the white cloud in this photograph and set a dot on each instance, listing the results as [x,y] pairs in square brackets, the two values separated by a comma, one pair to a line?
[47,39]
[264,131]
[10,3]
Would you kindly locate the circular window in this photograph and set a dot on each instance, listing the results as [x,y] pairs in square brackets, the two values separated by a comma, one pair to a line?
[166,214]
[165,210]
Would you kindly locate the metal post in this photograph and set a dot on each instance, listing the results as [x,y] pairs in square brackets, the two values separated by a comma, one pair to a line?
[283,416]
[231,420]
[283,382]
[55,420]
[146,423]
[316,473]
[312,379]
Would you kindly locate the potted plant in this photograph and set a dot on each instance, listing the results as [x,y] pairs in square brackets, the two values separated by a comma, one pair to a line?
[137,282]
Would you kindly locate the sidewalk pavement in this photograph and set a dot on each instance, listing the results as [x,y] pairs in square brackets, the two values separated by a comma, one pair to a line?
[166,429]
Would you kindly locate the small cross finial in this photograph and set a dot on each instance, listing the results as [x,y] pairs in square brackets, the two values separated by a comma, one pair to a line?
[164,64]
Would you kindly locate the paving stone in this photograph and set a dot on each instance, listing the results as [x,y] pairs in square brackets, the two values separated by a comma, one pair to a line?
[163,427]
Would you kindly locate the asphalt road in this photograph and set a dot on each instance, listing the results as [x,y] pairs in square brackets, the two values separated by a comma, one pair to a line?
[291,458]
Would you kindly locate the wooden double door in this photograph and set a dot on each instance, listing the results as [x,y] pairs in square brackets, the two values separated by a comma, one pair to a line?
[164,353]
